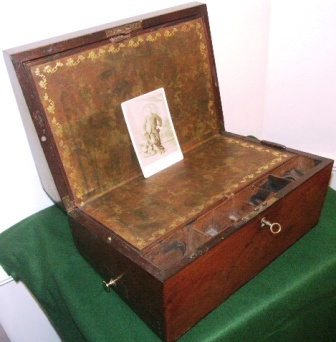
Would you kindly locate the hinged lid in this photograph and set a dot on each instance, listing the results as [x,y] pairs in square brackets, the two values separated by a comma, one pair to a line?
[74,87]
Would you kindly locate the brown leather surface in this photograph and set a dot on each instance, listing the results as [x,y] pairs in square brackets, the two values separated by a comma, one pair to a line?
[144,210]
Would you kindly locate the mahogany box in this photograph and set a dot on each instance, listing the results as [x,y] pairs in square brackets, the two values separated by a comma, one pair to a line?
[176,244]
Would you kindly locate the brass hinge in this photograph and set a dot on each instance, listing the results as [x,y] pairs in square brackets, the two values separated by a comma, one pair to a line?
[68,203]
[120,33]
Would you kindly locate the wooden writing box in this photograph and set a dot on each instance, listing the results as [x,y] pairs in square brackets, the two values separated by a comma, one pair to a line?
[176,244]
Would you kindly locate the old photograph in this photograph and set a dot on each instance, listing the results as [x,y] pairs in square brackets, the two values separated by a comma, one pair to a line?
[152,131]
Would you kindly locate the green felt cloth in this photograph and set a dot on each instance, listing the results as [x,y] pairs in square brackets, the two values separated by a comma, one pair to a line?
[293,299]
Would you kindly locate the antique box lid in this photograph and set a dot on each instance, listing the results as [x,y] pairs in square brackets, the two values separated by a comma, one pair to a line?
[73,88]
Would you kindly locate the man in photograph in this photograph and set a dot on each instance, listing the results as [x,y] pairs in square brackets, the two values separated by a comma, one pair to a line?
[152,125]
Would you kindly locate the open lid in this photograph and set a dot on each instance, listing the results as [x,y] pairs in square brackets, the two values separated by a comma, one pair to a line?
[74,87]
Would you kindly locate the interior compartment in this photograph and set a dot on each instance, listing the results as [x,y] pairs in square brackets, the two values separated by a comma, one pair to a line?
[254,195]
[295,168]
[222,217]
[185,242]
[180,244]
[273,183]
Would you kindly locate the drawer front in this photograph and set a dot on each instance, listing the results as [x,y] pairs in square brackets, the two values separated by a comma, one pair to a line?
[139,289]
[239,257]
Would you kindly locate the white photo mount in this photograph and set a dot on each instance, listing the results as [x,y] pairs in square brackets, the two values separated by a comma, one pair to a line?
[152,131]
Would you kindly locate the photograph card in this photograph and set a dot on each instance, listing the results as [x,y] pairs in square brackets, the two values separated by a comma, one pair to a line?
[152,131]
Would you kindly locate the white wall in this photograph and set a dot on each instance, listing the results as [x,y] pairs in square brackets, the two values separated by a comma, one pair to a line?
[240,32]
[300,106]
[277,74]
[300,101]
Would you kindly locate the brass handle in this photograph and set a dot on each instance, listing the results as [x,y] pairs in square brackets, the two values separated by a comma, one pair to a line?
[275,228]
[113,282]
